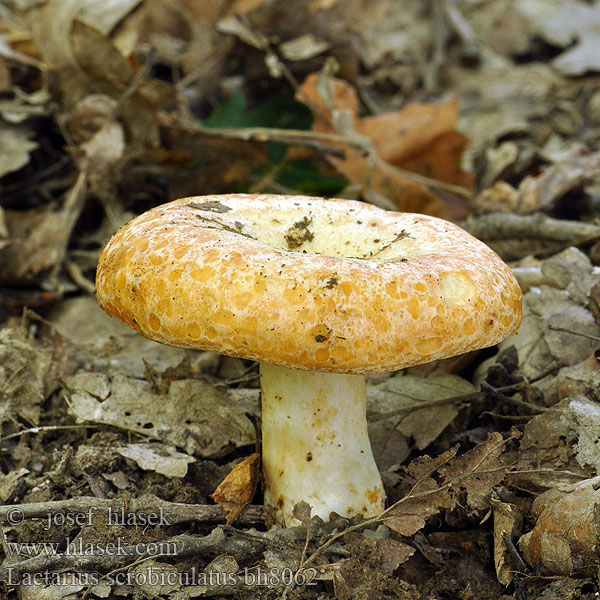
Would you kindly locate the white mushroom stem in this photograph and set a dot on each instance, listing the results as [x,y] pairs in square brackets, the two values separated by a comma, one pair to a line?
[315,444]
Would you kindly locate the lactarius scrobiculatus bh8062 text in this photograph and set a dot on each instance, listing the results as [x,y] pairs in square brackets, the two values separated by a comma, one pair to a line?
[320,292]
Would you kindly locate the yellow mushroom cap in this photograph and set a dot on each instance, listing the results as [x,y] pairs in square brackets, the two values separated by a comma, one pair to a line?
[307,283]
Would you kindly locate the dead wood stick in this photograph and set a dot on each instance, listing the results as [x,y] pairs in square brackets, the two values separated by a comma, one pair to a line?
[173,512]
[462,28]
[326,142]
[503,226]
[79,278]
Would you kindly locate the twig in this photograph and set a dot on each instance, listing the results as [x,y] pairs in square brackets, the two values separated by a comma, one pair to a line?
[377,519]
[263,43]
[504,226]
[130,566]
[463,30]
[44,429]
[549,471]
[580,333]
[134,84]
[486,389]
[78,277]
[319,140]
[513,552]
[496,393]
[429,404]
[440,37]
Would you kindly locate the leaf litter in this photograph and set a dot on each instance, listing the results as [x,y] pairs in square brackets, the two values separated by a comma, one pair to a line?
[483,112]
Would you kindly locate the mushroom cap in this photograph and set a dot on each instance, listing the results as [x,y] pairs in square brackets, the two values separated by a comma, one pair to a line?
[307,283]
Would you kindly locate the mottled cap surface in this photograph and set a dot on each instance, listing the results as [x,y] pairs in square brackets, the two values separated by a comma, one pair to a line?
[308,283]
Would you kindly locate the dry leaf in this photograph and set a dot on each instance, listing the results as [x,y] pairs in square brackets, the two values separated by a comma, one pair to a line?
[400,397]
[507,520]
[162,459]
[105,15]
[9,482]
[574,21]
[109,345]
[550,311]
[546,455]
[303,47]
[580,379]
[301,512]
[201,162]
[15,147]
[391,554]
[27,376]
[193,415]
[39,238]
[107,69]
[105,148]
[425,499]
[420,138]
[564,540]
[477,471]
[49,24]
[235,492]
[584,417]
[542,190]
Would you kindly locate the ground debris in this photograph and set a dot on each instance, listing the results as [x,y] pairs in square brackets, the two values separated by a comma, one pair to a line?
[27,375]
[565,550]
[541,192]
[192,415]
[486,112]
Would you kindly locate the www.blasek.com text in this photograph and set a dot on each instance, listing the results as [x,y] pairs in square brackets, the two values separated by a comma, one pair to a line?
[78,547]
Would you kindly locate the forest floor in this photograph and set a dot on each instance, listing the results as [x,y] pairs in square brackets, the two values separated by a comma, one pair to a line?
[483,112]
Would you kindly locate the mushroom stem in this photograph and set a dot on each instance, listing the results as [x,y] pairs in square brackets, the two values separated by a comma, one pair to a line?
[316,445]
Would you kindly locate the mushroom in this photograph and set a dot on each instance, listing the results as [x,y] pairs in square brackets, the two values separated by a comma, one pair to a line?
[321,293]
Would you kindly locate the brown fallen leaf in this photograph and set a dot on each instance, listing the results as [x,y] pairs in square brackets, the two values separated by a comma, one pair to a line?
[106,68]
[29,369]
[547,457]
[420,138]
[235,492]
[507,521]
[425,499]
[580,379]
[473,475]
[565,538]
[477,471]
[195,161]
